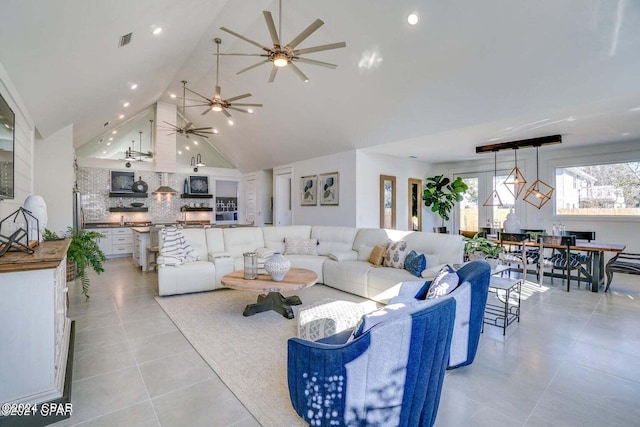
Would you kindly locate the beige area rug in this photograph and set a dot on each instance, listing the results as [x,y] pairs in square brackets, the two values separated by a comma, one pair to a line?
[248,353]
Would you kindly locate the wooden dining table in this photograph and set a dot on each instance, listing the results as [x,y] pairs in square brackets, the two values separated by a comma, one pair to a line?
[595,249]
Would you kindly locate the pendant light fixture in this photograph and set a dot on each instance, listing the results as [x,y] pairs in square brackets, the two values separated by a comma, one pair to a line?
[540,192]
[196,162]
[515,178]
[494,197]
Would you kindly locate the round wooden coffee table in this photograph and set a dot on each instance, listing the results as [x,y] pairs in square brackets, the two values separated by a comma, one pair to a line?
[295,279]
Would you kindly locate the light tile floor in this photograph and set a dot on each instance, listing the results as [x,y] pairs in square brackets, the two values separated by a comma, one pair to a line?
[573,360]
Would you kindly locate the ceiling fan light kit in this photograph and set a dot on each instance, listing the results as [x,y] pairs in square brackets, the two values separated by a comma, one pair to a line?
[280,55]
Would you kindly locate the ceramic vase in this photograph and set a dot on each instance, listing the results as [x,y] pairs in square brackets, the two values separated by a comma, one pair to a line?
[277,266]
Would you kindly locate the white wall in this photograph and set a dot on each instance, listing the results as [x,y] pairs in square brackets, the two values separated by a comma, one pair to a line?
[54,157]
[344,214]
[369,167]
[23,178]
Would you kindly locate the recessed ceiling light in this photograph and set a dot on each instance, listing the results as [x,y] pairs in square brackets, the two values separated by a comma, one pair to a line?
[172,95]
[121,116]
[7,126]
[571,119]
[412,19]
[179,152]
[186,147]
[626,134]
[134,86]
[126,104]
[250,110]
[215,131]
[104,152]
[111,138]
[113,132]
[230,122]
[156,31]
[635,109]
[195,142]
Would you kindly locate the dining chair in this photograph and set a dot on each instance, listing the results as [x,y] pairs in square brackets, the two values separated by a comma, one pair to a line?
[514,246]
[558,260]
[583,258]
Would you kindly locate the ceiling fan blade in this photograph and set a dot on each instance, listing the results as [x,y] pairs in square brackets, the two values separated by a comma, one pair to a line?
[274,71]
[205,111]
[206,104]
[241,54]
[200,135]
[319,48]
[187,126]
[314,62]
[201,129]
[305,33]
[217,95]
[238,109]
[235,98]
[200,95]
[171,124]
[226,113]
[246,105]
[253,66]
[272,27]
[299,72]
[240,36]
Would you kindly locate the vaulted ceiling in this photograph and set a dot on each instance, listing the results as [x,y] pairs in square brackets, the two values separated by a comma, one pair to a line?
[469,73]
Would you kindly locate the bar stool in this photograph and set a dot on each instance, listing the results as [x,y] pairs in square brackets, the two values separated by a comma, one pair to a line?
[153,248]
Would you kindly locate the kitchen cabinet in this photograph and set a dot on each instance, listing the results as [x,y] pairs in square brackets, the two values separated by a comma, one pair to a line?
[117,241]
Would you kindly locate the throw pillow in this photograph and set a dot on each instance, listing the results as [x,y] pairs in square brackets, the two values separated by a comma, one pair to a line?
[377,255]
[396,253]
[300,246]
[415,263]
[445,281]
[390,311]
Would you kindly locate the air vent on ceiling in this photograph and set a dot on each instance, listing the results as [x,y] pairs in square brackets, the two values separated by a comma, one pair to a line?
[125,40]
[105,124]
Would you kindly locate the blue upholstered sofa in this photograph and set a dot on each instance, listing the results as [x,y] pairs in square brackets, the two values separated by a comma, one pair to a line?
[391,372]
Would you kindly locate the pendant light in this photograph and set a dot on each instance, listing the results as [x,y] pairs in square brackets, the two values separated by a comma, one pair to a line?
[540,192]
[515,178]
[494,197]
[196,162]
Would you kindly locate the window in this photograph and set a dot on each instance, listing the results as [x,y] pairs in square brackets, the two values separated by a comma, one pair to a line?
[606,189]
[469,205]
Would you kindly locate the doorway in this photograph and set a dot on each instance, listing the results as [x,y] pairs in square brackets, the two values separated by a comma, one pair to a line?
[282,197]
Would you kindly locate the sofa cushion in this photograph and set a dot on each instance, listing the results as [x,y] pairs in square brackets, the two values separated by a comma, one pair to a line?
[242,239]
[444,283]
[333,239]
[348,276]
[300,246]
[274,236]
[396,253]
[383,282]
[377,255]
[215,240]
[415,263]
[449,247]
[367,238]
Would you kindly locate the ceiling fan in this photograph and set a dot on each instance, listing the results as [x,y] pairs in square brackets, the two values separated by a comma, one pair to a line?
[217,103]
[188,128]
[283,56]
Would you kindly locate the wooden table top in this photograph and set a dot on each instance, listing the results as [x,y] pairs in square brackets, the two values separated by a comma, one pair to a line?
[295,279]
[581,245]
[47,254]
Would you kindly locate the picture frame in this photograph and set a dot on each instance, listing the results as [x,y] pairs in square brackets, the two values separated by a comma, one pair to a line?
[122,181]
[198,184]
[329,189]
[309,190]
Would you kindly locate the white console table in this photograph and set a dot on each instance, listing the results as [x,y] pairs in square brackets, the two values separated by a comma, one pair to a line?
[34,327]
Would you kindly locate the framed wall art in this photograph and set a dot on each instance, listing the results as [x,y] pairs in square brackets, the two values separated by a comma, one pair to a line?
[198,184]
[122,181]
[329,188]
[309,190]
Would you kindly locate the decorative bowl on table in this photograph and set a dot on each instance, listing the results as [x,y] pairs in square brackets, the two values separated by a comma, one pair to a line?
[137,204]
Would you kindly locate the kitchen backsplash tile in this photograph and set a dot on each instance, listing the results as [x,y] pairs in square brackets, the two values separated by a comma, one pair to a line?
[94,186]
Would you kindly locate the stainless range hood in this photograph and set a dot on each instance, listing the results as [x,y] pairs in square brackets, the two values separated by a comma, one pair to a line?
[164,185]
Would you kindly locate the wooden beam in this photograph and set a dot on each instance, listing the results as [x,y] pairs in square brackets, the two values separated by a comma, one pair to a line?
[523,143]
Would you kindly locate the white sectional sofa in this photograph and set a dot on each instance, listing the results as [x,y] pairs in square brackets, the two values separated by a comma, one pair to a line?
[341,261]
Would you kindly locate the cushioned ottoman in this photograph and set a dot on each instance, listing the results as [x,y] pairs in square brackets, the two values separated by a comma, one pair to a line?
[329,317]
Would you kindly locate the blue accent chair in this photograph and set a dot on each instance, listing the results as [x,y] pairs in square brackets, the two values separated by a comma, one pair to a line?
[389,375]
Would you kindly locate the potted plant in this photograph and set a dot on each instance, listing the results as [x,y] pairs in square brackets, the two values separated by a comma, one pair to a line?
[83,251]
[441,194]
[477,247]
